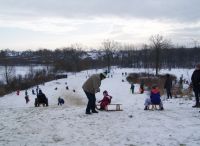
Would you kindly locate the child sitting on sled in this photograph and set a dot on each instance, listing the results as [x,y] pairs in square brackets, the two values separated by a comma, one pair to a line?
[105,101]
[154,98]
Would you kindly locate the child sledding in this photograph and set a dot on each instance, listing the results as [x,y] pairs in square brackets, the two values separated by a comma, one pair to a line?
[105,103]
[154,99]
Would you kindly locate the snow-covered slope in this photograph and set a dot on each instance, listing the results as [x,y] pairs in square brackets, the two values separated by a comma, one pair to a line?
[22,124]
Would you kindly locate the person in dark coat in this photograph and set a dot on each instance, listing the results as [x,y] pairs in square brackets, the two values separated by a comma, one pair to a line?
[42,97]
[141,87]
[26,97]
[91,87]
[168,86]
[33,91]
[61,101]
[105,101]
[132,88]
[196,84]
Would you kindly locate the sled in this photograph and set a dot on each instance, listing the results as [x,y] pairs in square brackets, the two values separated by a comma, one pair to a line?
[112,107]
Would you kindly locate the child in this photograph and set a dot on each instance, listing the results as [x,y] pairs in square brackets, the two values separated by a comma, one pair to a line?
[60,101]
[132,88]
[154,98]
[105,101]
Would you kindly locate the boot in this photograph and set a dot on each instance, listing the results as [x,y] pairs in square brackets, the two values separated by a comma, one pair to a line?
[146,108]
[197,105]
[94,111]
[161,108]
[88,113]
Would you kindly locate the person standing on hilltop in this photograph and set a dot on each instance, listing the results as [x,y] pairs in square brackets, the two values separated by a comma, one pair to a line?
[196,84]
[168,86]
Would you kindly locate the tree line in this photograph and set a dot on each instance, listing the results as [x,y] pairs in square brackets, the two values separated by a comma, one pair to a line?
[159,54]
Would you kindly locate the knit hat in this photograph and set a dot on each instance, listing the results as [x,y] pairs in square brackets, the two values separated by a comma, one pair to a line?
[198,66]
[104,74]
[154,86]
[106,92]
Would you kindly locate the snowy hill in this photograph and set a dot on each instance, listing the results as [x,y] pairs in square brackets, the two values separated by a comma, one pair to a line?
[24,125]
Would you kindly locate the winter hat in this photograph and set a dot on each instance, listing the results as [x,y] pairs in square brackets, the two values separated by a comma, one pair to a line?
[104,74]
[105,92]
[198,66]
[40,91]
[154,86]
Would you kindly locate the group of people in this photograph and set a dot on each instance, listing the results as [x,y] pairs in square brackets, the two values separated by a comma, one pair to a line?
[42,97]
[92,84]
[195,84]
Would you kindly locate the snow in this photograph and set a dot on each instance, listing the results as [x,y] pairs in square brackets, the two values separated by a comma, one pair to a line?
[24,125]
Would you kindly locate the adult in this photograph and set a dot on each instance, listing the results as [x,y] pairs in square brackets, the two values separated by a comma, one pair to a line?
[91,87]
[41,97]
[168,86]
[142,87]
[196,84]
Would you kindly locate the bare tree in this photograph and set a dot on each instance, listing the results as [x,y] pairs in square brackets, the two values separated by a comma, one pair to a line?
[9,73]
[158,43]
[109,48]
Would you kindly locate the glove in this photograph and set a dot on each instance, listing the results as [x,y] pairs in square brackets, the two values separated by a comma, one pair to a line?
[98,90]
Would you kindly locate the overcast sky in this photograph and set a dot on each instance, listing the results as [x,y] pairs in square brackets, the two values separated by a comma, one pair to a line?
[33,24]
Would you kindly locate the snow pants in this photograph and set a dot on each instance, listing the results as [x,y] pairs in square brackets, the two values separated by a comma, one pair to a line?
[91,101]
[197,94]
[169,94]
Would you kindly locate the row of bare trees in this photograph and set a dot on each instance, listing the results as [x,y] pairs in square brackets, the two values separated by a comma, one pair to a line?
[160,53]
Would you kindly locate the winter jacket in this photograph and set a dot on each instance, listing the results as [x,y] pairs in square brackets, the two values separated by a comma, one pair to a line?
[92,84]
[155,96]
[168,84]
[132,86]
[61,101]
[41,96]
[105,101]
[196,79]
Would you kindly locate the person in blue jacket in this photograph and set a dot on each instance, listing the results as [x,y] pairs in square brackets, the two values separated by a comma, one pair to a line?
[61,101]
[132,88]
[154,98]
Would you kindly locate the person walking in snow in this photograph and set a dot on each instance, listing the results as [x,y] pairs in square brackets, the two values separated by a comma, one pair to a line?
[154,98]
[132,88]
[91,87]
[168,86]
[196,84]
[141,87]
[105,101]
[61,101]
[37,90]
[26,97]
[33,91]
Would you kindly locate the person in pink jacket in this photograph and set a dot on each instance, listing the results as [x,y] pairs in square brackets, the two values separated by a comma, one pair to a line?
[105,101]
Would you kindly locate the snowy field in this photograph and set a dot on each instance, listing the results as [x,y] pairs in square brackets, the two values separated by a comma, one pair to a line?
[22,124]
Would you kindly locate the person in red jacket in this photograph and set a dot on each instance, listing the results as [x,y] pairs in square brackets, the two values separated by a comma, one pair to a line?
[105,101]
